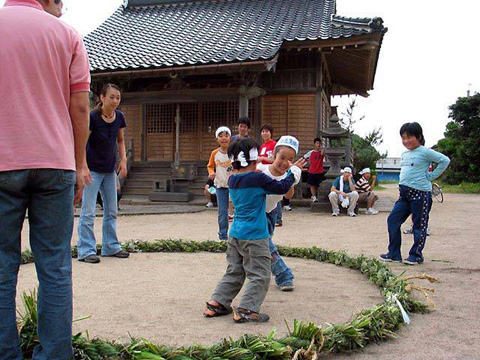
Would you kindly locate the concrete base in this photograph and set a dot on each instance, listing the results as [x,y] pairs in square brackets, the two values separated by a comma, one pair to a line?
[160,196]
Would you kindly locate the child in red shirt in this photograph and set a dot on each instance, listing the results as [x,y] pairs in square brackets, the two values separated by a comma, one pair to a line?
[315,171]
[268,147]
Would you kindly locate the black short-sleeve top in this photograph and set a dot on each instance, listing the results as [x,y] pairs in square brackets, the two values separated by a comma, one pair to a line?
[102,143]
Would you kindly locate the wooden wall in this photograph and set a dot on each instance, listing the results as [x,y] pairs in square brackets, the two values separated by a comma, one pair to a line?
[291,115]
[133,118]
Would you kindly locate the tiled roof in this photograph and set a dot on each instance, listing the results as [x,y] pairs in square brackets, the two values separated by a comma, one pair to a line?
[215,31]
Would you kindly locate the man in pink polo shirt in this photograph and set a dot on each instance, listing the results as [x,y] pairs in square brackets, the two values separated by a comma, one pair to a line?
[44,114]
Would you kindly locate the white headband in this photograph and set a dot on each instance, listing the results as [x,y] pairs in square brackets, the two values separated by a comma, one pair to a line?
[243,160]
[364,171]
[222,129]
[289,141]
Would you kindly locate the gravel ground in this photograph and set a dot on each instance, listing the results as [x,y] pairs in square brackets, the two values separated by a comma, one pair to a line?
[138,297]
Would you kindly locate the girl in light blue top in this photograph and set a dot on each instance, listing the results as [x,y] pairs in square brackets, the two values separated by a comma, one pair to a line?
[415,193]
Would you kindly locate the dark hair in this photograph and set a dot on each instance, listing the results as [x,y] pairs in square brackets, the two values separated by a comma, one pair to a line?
[56,1]
[267,127]
[244,120]
[317,139]
[104,93]
[245,145]
[413,129]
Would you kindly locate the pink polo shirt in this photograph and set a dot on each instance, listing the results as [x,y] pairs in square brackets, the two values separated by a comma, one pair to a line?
[42,62]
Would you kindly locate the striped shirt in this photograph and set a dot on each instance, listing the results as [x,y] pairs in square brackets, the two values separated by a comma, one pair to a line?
[362,185]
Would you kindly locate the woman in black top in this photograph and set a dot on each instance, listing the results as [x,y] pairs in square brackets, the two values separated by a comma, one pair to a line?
[106,136]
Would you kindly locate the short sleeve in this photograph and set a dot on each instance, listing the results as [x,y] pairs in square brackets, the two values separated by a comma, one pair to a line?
[123,123]
[336,183]
[79,67]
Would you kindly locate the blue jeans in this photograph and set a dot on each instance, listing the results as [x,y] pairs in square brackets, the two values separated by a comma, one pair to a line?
[107,184]
[222,202]
[279,212]
[48,196]
[415,202]
[283,274]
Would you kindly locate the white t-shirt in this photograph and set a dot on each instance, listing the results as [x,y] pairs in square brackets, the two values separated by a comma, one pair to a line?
[272,200]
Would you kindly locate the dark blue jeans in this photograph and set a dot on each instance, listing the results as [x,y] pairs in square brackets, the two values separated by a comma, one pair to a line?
[418,204]
[283,274]
[48,196]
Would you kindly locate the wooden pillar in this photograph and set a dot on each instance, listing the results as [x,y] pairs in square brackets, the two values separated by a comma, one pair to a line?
[242,106]
[318,93]
[143,151]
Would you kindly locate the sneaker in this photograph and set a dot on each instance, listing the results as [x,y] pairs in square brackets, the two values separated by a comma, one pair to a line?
[428,232]
[314,199]
[408,230]
[287,287]
[279,224]
[351,213]
[230,217]
[388,258]
[122,254]
[412,260]
[287,208]
[209,205]
[336,213]
[371,211]
[91,259]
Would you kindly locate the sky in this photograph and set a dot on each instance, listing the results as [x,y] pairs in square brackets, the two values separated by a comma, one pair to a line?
[429,58]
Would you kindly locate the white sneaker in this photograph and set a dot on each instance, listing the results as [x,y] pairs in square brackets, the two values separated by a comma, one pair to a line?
[287,208]
[314,199]
[209,204]
[351,213]
[371,211]
[336,212]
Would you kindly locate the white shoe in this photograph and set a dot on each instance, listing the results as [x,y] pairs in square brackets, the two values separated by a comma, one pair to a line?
[351,213]
[371,211]
[287,208]
[209,204]
[314,199]
[336,213]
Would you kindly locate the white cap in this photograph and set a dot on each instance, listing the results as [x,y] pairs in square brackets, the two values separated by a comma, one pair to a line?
[289,141]
[347,169]
[222,129]
[364,171]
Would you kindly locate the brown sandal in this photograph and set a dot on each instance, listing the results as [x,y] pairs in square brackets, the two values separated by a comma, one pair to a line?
[243,315]
[216,310]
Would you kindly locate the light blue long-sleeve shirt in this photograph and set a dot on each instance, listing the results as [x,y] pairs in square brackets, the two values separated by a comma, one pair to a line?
[414,167]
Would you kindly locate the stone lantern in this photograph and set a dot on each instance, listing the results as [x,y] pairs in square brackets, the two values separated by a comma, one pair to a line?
[334,133]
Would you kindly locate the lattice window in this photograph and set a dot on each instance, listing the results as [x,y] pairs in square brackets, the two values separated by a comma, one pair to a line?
[189,117]
[160,118]
[218,113]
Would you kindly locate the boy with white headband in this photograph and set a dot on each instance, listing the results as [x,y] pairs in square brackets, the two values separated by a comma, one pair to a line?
[284,154]
[248,253]
[365,193]
[219,170]
[343,192]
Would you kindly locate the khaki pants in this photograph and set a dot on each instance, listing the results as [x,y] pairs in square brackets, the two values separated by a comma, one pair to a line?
[334,200]
[365,197]
[245,258]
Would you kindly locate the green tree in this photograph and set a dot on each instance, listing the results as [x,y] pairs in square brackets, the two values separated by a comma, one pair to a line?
[462,141]
[364,152]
